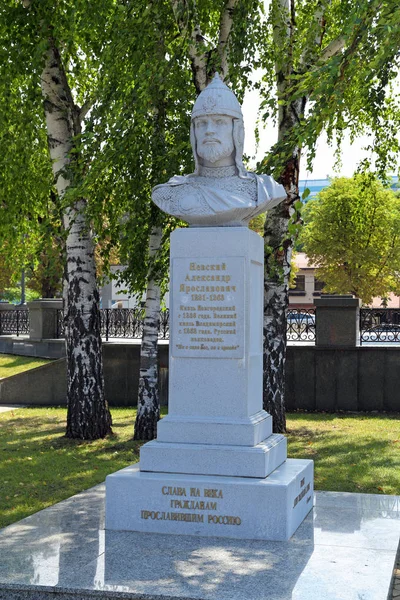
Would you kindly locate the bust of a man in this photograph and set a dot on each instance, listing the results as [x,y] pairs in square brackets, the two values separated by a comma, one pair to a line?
[220,192]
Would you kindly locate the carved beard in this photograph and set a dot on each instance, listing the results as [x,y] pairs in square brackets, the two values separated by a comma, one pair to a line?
[214,152]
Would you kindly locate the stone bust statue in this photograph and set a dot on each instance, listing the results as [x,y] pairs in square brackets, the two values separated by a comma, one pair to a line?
[220,192]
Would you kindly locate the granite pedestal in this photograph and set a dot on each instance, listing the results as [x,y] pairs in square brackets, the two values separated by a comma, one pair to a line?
[216,468]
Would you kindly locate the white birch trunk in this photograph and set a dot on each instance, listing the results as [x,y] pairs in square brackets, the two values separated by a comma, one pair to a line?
[148,406]
[199,53]
[277,241]
[88,415]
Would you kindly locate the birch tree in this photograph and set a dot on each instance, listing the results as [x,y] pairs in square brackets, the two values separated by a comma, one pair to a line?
[331,63]
[147,142]
[88,416]
[52,58]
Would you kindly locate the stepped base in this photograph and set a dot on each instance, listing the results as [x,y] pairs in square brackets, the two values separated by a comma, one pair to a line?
[215,430]
[210,459]
[235,507]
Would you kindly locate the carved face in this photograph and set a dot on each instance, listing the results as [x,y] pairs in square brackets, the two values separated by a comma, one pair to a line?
[214,139]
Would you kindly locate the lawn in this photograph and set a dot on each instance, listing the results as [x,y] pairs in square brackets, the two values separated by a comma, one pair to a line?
[39,466]
[11,364]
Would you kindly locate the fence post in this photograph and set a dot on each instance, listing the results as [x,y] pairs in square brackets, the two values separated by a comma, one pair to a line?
[107,321]
[4,306]
[43,318]
[337,321]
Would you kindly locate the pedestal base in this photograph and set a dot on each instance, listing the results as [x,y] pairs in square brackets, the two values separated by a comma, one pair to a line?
[211,459]
[235,507]
[248,431]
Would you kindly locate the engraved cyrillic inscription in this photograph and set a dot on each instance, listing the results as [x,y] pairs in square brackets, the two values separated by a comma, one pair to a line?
[208,307]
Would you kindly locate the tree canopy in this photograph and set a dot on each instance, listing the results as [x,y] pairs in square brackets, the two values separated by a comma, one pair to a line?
[129,64]
[352,236]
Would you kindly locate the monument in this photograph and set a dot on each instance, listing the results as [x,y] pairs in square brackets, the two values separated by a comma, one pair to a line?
[216,468]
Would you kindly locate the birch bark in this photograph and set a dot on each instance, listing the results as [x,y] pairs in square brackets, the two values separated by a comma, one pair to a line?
[148,409]
[278,243]
[200,54]
[88,416]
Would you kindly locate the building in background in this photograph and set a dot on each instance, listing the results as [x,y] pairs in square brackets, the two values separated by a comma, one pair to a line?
[114,294]
[308,287]
[316,185]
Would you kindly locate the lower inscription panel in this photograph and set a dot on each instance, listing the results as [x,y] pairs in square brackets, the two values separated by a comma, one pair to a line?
[236,507]
[183,499]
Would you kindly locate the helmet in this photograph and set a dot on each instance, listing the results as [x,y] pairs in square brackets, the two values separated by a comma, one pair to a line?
[217,99]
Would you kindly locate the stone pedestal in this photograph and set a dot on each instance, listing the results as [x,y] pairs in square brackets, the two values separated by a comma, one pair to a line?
[43,318]
[216,460]
[337,321]
[6,305]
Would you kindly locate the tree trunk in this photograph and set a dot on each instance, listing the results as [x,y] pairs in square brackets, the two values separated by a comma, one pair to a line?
[278,253]
[88,415]
[274,325]
[148,409]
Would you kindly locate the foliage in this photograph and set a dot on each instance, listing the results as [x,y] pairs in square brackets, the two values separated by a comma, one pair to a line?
[342,58]
[41,467]
[143,115]
[353,237]
[257,224]
[13,295]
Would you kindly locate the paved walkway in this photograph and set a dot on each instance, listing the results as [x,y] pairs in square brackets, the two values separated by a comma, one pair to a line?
[349,539]
[11,407]
[396,583]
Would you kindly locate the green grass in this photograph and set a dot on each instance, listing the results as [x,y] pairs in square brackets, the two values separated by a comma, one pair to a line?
[39,466]
[11,365]
[351,453]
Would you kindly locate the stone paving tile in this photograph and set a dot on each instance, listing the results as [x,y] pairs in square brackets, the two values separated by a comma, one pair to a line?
[396,582]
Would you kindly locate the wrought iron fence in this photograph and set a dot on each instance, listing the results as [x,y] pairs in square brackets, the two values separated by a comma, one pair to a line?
[128,323]
[14,322]
[164,325]
[300,325]
[121,323]
[380,325]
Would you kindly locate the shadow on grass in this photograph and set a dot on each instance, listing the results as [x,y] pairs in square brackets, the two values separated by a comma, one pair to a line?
[39,466]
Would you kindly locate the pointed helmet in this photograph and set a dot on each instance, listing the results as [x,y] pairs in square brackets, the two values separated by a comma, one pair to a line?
[218,99]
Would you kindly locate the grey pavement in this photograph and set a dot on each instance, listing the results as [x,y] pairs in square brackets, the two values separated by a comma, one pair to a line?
[344,550]
[10,407]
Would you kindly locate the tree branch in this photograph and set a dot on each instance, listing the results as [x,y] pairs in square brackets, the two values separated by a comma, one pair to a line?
[333,48]
[85,108]
[197,47]
[224,33]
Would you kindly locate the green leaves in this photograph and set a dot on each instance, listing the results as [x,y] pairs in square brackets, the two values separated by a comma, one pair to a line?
[352,236]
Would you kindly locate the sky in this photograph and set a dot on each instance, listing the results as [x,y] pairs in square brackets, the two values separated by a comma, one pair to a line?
[324,162]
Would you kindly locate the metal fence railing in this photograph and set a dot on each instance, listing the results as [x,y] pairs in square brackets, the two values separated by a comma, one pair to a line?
[14,321]
[380,325]
[128,323]
[300,325]
[121,323]
[377,325]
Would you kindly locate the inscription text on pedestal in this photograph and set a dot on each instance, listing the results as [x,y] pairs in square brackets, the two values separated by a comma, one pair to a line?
[208,307]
